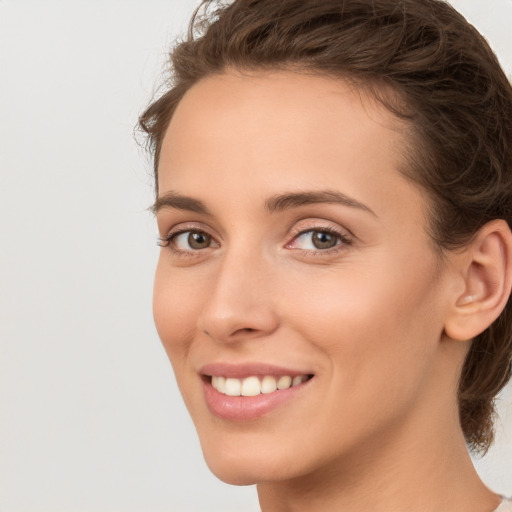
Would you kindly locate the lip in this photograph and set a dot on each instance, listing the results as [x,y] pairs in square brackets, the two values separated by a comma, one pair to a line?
[247,408]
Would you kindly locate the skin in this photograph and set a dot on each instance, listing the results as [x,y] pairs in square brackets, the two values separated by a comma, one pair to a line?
[377,427]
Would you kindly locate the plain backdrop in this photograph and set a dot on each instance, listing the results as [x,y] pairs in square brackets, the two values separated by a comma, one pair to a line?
[90,416]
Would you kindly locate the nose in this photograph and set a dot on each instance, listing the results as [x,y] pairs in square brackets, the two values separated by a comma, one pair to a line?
[241,302]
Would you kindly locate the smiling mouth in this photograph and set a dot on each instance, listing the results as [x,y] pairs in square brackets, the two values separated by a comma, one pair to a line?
[253,385]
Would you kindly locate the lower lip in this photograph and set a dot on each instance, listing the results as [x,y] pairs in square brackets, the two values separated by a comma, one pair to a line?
[245,408]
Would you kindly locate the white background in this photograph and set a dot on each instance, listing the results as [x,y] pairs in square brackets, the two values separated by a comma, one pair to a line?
[90,416]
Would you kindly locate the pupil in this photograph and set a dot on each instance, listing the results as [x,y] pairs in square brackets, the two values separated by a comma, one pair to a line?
[323,240]
[198,240]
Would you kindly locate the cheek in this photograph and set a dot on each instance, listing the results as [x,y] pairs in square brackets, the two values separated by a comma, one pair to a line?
[378,343]
[378,331]
[175,313]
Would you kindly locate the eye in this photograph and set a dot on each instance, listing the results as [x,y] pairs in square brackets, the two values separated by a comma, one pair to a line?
[184,241]
[318,240]
[192,240]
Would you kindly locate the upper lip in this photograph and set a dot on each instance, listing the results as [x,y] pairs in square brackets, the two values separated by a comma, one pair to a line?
[243,370]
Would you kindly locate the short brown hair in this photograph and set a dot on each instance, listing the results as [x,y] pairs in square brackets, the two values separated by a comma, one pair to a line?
[452,92]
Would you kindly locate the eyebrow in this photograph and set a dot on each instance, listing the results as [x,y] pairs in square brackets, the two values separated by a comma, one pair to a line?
[297,199]
[276,203]
[179,202]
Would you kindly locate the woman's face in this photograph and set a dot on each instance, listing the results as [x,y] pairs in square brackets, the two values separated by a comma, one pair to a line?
[295,255]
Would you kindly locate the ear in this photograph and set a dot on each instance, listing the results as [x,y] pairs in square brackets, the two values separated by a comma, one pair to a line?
[484,273]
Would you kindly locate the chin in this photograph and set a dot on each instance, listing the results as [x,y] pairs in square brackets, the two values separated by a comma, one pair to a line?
[247,473]
[234,476]
[249,463]
[235,466]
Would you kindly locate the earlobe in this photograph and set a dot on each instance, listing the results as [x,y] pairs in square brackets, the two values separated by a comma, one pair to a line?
[485,267]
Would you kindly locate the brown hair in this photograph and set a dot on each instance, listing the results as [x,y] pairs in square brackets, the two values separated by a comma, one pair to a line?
[450,89]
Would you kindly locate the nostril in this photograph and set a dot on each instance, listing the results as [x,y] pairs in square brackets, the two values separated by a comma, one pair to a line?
[245,330]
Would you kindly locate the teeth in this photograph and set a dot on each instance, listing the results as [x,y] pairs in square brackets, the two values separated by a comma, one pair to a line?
[219,383]
[250,386]
[233,387]
[253,386]
[299,379]
[268,384]
[284,382]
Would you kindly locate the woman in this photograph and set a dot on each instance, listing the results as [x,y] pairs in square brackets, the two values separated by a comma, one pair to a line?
[334,200]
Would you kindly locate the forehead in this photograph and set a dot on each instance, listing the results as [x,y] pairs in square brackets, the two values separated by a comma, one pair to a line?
[285,128]
[280,99]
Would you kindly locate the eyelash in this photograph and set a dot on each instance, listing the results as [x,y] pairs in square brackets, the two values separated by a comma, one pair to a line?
[343,239]
[167,241]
